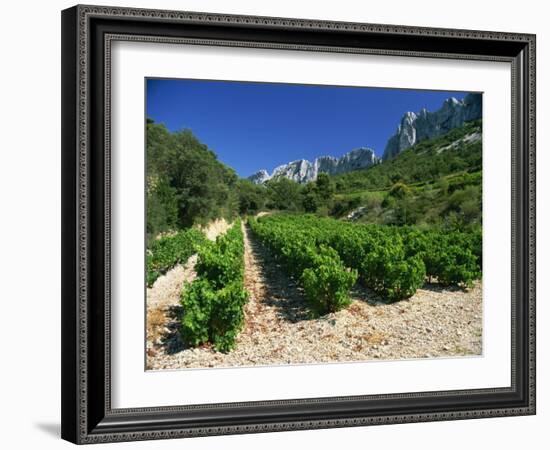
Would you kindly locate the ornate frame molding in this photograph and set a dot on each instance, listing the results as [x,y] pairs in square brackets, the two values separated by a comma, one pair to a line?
[87,422]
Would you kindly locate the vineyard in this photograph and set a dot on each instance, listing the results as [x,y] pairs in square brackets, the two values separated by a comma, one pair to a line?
[326,261]
[329,255]
[213,303]
[368,263]
[165,252]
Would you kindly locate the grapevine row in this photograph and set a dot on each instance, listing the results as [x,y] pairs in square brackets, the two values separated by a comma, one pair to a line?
[213,303]
[319,268]
[393,261]
[166,252]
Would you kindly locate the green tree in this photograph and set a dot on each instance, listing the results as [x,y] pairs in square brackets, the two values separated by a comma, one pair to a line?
[284,194]
[325,191]
[162,206]
[324,186]
[186,184]
[310,199]
[251,197]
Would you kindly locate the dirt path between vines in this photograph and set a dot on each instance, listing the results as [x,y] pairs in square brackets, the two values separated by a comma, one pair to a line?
[163,309]
[434,322]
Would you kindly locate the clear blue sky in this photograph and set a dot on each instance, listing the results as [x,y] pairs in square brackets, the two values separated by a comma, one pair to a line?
[253,126]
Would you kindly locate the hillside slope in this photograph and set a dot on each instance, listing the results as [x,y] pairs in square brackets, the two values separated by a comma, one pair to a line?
[437,180]
[459,150]
[417,127]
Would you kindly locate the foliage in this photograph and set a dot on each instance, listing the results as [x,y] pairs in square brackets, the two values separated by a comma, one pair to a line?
[196,299]
[162,206]
[393,261]
[288,195]
[388,272]
[424,162]
[327,282]
[283,194]
[186,184]
[436,182]
[424,209]
[213,303]
[227,315]
[222,262]
[453,202]
[165,252]
[212,315]
[310,198]
[319,194]
[252,197]
[399,190]
[341,207]
[325,279]
[450,257]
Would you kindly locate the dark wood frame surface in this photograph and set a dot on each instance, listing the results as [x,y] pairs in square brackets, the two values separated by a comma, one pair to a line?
[87,33]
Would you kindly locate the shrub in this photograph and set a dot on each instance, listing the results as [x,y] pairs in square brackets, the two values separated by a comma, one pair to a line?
[221,262]
[403,278]
[297,255]
[457,265]
[227,316]
[451,258]
[389,272]
[327,282]
[166,252]
[307,257]
[196,299]
[391,260]
[213,303]
[400,190]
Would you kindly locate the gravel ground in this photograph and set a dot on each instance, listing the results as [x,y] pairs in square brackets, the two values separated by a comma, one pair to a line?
[434,322]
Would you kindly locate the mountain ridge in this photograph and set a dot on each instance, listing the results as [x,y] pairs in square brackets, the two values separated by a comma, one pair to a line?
[303,171]
[412,129]
[416,127]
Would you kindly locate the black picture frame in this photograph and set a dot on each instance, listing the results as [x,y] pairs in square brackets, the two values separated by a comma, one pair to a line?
[87,32]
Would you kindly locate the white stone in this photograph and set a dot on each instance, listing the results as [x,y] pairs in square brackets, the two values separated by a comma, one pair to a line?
[303,171]
[415,128]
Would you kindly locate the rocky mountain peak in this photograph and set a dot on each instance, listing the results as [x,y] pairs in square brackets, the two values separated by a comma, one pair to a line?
[259,177]
[414,128]
[303,171]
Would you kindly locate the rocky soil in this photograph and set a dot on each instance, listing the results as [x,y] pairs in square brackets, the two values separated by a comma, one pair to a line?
[215,228]
[435,322]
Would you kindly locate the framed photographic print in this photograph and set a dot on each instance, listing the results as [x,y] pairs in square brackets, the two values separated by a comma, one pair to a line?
[278,224]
